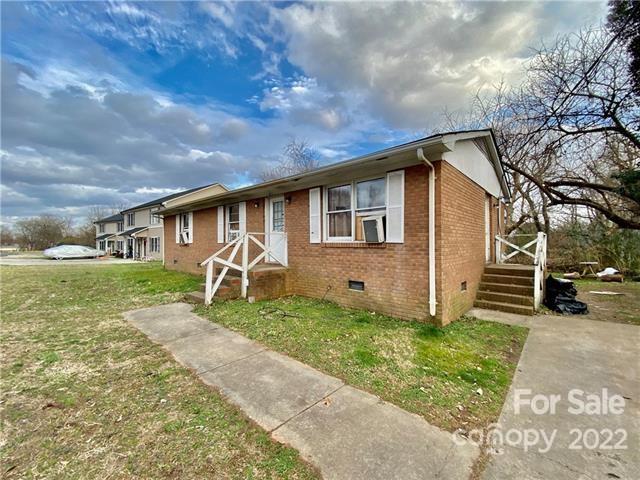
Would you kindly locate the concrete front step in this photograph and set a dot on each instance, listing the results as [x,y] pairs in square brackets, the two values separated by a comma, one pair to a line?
[195,297]
[505,298]
[507,279]
[511,270]
[224,292]
[506,288]
[504,307]
[231,282]
[232,272]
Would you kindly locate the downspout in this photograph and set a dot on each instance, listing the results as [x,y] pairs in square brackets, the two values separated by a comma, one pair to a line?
[432,232]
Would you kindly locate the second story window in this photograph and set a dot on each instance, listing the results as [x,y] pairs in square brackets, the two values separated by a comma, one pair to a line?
[131,219]
[120,226]
[101,227]
[154,218]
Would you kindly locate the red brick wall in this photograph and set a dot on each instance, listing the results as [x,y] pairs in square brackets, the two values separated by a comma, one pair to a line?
[460,231]
[205,238]
[395,275]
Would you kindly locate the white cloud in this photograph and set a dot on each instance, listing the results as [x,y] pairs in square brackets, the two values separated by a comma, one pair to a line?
[411,60]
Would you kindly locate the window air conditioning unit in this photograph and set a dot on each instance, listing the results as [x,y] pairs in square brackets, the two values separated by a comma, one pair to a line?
[373,229]
[184,237]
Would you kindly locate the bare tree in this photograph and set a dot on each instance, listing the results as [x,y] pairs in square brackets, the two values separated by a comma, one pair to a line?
[297,157]
[41,232]
[6,235]
[570,135]
[578,111]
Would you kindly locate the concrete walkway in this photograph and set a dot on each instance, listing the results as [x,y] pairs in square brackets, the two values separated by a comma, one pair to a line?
[563,354]
[345,432]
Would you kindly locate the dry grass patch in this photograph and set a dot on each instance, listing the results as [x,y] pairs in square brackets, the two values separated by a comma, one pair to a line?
[85,395]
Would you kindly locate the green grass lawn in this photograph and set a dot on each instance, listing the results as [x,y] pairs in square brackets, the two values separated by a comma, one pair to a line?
[85,395]
[455,377]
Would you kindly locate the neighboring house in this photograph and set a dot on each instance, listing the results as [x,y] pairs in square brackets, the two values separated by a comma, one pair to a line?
[143,227]
[109,234]
[406,231]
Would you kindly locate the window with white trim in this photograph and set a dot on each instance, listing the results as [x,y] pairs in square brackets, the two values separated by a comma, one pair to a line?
[120,245]
[131,219]
[339,212]
[154,219]
[155,244]
[120,227]
[233,222]
[345,204]
[102,245]
[184,222]
[101,227]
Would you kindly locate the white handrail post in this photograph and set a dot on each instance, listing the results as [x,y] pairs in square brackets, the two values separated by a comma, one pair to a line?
[498,250]
[209,284]
[536,288]
[245,265]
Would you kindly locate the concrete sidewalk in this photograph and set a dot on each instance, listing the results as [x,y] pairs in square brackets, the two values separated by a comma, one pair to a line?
[564,354]
[345,432]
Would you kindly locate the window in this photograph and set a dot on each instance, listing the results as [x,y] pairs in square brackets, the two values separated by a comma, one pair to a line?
[277,221]
[120,245]
[155,244]
[339,212]
[101,227]
[346,204]
[184,228]
[184,222]
[233,222]
[120,226]
[131,219]
[370,195]
[356,285]
[102,245]
[154,219]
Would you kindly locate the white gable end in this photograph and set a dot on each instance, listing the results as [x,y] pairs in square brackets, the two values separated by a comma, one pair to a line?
[471,161]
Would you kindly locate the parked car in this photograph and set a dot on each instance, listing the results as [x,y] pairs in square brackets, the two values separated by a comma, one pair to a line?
[72,251]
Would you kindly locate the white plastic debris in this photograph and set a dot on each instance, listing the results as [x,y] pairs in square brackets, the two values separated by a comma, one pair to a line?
[607,271]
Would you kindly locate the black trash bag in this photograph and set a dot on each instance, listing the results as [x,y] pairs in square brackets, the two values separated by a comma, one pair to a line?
[560,296]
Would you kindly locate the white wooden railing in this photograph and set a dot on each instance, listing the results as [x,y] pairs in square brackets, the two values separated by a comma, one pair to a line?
[536,249]
[240,242]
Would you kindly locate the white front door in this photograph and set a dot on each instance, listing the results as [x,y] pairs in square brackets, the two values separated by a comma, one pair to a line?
[487,227]
[276,238]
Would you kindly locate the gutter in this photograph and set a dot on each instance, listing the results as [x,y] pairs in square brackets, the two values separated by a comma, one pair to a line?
[432,231]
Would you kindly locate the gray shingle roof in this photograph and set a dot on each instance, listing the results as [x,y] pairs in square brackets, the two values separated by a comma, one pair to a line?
[113,218]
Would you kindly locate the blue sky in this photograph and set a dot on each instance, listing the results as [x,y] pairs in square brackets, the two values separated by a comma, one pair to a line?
[106,104]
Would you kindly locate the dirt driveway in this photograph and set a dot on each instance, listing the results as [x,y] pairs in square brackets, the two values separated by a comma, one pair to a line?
[624,308]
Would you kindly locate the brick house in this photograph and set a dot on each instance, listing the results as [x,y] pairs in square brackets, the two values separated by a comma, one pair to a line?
[406,231]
